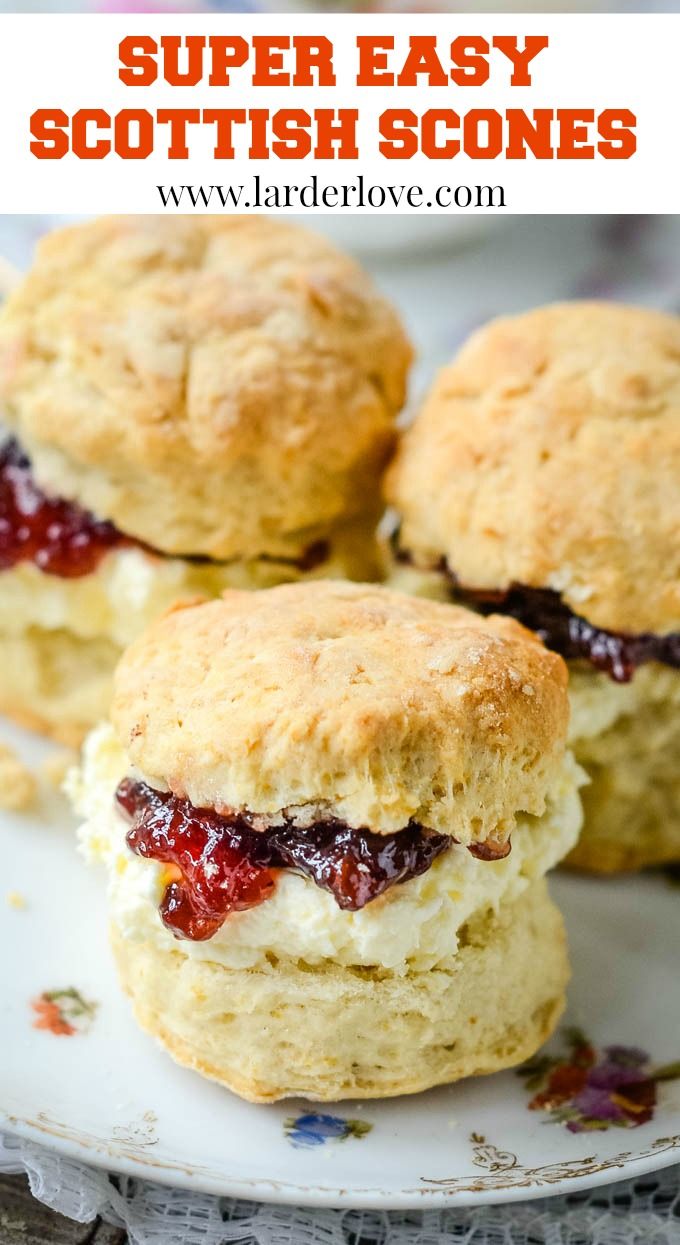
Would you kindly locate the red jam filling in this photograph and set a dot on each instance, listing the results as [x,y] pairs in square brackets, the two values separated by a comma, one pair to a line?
[222,865]
[542,610]
[63,539]
[312,557]
[58,536]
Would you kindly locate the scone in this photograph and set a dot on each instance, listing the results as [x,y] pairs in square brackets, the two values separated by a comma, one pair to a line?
[542,480]
[306,801]
[194,403]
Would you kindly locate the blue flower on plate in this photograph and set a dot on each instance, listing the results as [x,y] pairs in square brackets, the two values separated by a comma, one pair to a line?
[308,1131]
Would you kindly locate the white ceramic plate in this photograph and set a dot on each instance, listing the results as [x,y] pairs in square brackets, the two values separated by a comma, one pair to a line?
[106,1095]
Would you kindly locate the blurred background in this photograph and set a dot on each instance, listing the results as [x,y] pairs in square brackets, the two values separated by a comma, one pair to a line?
[450,274]
[340,6]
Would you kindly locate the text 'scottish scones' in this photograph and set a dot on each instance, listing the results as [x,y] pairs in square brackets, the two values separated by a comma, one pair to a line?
[307,800]
[541,479]
[194,403]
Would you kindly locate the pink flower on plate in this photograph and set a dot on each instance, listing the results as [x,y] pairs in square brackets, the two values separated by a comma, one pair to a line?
[585,1091]
[63,1012]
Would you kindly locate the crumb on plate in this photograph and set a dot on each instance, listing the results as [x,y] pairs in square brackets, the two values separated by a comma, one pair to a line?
[18,785]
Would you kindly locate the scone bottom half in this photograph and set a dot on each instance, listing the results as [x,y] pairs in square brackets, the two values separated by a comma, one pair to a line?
[310,794]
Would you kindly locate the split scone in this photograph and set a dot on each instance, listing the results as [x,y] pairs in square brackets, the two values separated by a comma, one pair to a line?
[193,403]
[542,479]
[306,802]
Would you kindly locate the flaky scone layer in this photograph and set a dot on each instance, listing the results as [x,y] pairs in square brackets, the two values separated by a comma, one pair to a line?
[627,738]
[286,1029]
[347,700]
[413,926]
[223,386]
[54,682]
[548,454]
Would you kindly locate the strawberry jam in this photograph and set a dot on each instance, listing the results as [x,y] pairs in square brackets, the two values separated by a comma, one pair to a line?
[542,610]
[58,536]
[223,865]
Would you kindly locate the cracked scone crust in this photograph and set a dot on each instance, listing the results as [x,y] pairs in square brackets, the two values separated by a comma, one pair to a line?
[349,700]
[548,454]
[282,1030]
[224,386]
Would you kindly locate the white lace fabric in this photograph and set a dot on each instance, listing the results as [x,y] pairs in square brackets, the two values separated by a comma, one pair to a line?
[645,1211]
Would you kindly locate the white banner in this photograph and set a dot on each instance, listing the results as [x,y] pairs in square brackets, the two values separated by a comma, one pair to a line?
[411,113]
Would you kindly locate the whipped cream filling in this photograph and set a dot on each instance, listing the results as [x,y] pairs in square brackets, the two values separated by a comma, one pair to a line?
[128,589]
[414,925]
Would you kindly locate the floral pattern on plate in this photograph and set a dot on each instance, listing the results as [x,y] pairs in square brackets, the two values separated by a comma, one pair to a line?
[63,1012]
[586,1090]
[308,1131]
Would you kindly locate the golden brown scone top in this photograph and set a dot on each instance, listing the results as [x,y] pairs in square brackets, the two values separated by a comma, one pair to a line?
[548,454]
[224,386]
[350,700]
